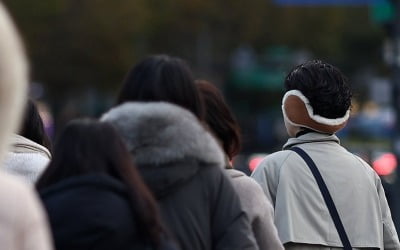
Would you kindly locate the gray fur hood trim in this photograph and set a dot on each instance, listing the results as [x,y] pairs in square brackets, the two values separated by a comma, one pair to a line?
[162,133]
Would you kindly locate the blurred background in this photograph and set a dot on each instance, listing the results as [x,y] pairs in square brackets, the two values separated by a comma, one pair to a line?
[80,51]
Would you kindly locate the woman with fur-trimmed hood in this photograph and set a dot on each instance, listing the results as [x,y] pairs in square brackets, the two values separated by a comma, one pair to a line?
[183,166]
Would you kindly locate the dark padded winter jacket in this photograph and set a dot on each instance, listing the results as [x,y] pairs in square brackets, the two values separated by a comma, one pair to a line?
[183,166]
[91,212]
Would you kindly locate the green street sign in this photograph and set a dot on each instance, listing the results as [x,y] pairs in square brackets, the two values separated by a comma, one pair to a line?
[382,12]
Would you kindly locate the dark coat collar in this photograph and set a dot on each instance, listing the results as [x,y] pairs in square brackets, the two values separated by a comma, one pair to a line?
[89,181]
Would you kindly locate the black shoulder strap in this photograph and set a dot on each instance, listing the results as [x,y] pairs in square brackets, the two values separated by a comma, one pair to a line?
[327,197]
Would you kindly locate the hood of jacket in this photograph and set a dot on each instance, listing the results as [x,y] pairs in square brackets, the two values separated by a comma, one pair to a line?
[21,144]
[168,143]
[26,158]
[95,182]
[90,211]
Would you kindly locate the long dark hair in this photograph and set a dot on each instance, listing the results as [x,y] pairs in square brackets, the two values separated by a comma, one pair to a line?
[162,78]
[32,126]
[88,146]
[220,118]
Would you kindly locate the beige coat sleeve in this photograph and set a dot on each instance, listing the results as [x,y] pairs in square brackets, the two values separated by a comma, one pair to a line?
[33,230]
[267,176]
[390,238]
[263,225]
[23,224]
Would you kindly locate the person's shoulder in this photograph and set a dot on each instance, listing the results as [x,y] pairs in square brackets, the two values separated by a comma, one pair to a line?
[28,166]
[279,155]
[275,160]
[246,185]
[240,177]
[366,167]
[28,160]
[235,174]
[245,182]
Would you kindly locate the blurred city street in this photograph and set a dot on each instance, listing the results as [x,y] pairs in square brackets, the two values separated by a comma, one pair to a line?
[80,52]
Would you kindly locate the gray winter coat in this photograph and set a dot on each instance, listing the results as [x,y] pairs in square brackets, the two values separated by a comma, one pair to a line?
[301,214]
[183,166]
[258,209]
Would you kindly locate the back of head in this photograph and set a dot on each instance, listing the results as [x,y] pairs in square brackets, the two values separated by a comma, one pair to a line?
[89,146]
[13,78]
[220,118]
[162,78]
[325,87]
[84,147]
[32,126]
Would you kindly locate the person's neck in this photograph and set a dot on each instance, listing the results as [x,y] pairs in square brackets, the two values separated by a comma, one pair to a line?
[228,164]
[304,131]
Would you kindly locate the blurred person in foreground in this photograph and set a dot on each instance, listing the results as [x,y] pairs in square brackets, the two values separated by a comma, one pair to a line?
[95,197]
[30,148]
[178,159]
[22,221]
[316,105]
[225,128]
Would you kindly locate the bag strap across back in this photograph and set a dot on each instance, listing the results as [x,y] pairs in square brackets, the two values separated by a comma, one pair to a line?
[327,197]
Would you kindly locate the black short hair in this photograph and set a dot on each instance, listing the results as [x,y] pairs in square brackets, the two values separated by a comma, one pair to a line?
[162,78]
[325,86]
